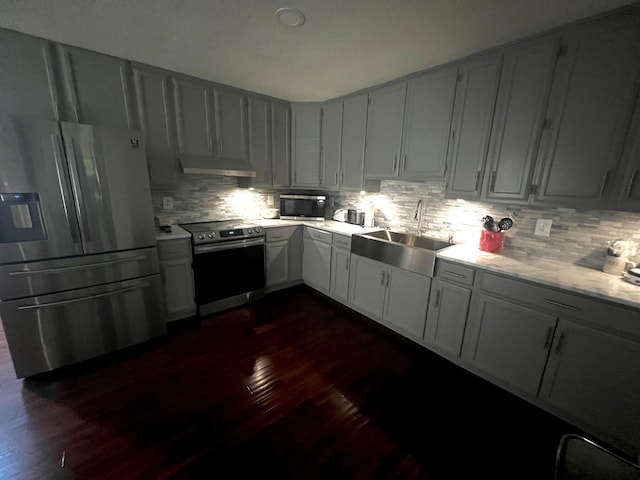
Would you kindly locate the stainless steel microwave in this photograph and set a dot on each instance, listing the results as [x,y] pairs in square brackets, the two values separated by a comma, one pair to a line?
[303,207]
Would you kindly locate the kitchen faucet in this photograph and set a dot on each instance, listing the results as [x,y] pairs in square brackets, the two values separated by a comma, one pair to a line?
[418,216]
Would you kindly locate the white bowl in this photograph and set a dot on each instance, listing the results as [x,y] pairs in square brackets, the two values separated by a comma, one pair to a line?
[270,213]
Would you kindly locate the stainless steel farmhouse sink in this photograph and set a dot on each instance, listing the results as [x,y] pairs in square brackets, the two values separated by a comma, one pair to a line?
[399,249]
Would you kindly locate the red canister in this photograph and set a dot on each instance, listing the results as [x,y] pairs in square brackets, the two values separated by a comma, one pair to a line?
[491,241]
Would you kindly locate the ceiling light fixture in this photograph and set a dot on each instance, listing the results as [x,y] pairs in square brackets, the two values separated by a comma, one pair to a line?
[290,17]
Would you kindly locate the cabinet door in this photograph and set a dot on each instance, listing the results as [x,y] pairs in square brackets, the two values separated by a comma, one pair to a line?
[27,82]
[473,115]
[306,145]
[280,144]
[407,300]
[259,141]
[354,130]
[340,260]
[384,131]
[509,342]
[331,141]
[593,377]
[525,82]
[277,260]
[153,95]
[179,292]
[316,264]
[192,101]
[427,124]
[627,188]
[231,125]
[96,88]
[447,317]
[367,285]
[590,105]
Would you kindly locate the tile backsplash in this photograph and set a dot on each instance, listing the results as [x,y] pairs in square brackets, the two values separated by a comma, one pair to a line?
[577,236]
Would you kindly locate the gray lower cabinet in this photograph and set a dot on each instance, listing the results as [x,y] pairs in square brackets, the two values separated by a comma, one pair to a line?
[331,143]
[451,291]
[96,88]
[156,120]
[471,128]
[280,144]
[527,73]
[427,123]
[231,125]
[627,187]
[306,145]
[283,252]
[193,107]
[593,94]
[27,79]
[177,277]
[397,297]
[316,259]
[593,376]
[384,131]
[340,263]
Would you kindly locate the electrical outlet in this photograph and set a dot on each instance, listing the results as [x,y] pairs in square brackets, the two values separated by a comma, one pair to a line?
[270,200]
[543,227]
[167,203]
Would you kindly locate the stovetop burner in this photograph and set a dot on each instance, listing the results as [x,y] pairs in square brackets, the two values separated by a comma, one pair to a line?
[221,230]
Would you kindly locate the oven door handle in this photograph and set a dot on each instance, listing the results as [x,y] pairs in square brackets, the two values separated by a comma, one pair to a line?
[228,246]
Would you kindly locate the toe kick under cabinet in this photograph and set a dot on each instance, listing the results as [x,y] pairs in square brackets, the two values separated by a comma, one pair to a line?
[573,355]
[177,277]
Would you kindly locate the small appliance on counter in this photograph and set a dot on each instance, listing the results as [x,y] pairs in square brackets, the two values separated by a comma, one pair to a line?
[618,253]
[270,213]
[632,276]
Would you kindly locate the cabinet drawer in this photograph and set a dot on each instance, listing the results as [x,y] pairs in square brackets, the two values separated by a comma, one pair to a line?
[319,235]
[342,241]
[454,273]
[177,248]
[279,234]
[564,304]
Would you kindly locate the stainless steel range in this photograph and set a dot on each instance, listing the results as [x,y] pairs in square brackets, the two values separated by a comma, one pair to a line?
[228,263]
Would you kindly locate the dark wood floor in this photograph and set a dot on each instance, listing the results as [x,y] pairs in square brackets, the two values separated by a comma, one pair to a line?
[294,386]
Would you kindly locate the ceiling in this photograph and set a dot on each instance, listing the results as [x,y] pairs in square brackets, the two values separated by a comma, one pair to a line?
[344,46]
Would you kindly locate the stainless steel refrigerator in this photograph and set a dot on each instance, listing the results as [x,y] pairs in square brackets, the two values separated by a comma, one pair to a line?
[79,272]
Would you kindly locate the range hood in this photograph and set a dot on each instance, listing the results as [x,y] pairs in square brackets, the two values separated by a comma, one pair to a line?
[218,166]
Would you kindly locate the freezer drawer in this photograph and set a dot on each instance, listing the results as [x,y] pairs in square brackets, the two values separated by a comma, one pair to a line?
[51,331]
[40,278]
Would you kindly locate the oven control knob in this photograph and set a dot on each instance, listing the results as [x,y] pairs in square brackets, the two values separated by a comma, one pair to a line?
[258,229]
[250,231]
[211,235]
[201,236]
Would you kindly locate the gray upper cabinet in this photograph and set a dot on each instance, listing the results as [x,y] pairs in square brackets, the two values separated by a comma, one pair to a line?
[331,144]
[627,187]
[589,108]
[231,125]
[306,145]
[155,118]
[96,88]
[525,82]
[473,115]
[427,123]
[354,130]
[260,141]
[27,82]
[194,119]
[384,131]
[280,144]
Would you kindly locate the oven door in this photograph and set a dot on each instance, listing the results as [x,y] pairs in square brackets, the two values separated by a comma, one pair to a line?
[227,270]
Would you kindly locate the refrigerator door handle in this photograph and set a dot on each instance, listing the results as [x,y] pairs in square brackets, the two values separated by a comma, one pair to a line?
[77,191]
[84,299]
[58,154]
[78,267]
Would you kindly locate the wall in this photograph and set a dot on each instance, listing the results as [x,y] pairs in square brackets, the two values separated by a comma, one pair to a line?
[578,237]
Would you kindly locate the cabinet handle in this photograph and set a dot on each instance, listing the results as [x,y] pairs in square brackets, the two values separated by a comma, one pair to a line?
[562,305]
[210,143]
[336,178]
[342,177]
[455,274]
[492,188]
[395,162]
[277,236]
[475,185]
[560,342]
[347,264]
[220,147]
[547,340]
[631,182]
[388,278]
[382,279]
[404,162]
[604,182]
[75,112]
[437,299]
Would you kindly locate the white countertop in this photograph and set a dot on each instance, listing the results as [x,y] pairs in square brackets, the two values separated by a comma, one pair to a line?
[587,281]
[328,225]
[176,232]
